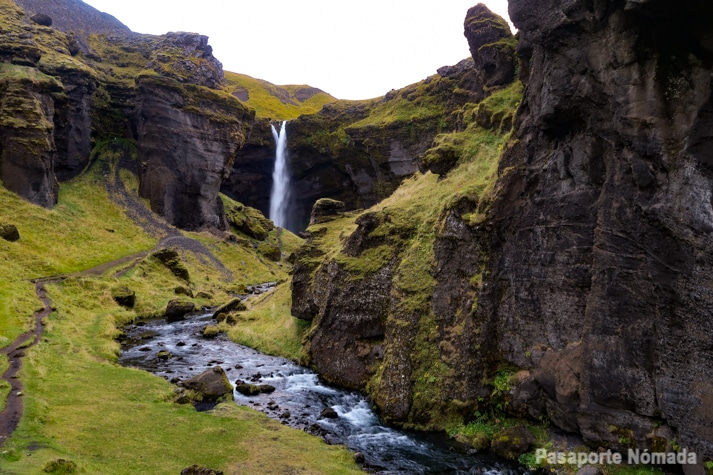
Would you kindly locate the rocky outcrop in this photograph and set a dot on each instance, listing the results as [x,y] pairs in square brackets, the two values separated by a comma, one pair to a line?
[492,46]
[163,93]
[588,270]
[603,243]
[203,131]
[27,153]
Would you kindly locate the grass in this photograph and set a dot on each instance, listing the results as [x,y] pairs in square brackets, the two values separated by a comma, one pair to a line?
[79,404]
[269,327]
[276,102]
[108,419]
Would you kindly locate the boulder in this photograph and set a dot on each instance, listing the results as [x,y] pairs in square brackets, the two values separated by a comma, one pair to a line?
[247,389]
[325,209]
[9,232]
[492,46]
[235,305]
[124,296]
[512,442]
[211,385]
[177,309]
[170,258]
[328,413]
[199,470]
[181,290]
[42,19]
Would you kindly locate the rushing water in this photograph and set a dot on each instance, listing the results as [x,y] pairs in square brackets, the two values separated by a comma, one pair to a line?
[299,399]
[280,178]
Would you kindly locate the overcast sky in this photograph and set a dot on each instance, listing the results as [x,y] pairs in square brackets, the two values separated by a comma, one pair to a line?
[352,49]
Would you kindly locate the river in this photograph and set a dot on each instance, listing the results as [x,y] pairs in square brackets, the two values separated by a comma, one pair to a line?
[300,399]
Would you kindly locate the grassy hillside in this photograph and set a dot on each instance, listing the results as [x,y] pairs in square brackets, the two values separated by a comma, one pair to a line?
[80,405]
[276,102]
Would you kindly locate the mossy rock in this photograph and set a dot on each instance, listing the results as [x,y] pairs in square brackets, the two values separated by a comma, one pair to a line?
[248,221]
[211,331]
[182,290]
[270,251]
[211,385]
[235,305]
[124,296]
[60,467]
[204,295]
[172,260]
[325,209]
[177,309]
[9,232]
[253,389]
[198,470]
[164,355]
[512,442]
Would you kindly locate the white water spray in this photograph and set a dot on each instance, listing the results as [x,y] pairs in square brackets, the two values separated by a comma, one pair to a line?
[280,179]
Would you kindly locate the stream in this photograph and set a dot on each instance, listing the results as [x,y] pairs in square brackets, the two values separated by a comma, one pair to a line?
[299,400]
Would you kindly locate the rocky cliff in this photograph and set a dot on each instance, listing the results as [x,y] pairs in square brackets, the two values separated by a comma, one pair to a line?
[359,152]
[581,270]
[602,246]
[74,78]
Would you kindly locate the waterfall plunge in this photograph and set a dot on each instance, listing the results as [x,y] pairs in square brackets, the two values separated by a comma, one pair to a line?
[280,179]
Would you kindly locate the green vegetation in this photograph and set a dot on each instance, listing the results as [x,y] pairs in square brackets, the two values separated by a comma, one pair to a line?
[276,102]
[83,408]
[268,326]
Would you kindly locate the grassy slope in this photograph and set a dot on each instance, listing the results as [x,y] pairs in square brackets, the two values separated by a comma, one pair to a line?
[80,405]
[263,97]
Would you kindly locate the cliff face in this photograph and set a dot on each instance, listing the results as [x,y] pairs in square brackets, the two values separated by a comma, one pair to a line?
[359,152]
[87,79]
[585,266]
[603,245]
[391,291]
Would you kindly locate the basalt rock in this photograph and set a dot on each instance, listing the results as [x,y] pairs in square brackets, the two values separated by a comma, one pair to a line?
[492,46]
[203,130]
[602,244]
[9,232]
[212,384]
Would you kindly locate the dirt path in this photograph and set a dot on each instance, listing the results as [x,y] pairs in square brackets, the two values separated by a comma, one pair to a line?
[11,415]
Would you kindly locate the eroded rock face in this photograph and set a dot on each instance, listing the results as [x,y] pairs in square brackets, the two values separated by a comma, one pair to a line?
[188,139]
[492,46]
[604,226]
[28,148]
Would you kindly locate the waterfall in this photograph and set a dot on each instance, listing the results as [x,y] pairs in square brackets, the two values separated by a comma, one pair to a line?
[280,179]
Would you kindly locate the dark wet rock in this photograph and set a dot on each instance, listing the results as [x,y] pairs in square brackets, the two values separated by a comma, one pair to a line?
[324,209]
[235,305]
[177,309]
[359,457]
[212,384]
[145,348]
[253,389]
[124,296]
[199,470]
[285,415]
[9,232]
[164,355]
[512,442]
[328,413]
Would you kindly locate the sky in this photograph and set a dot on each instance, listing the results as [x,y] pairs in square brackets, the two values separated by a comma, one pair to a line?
[352,49]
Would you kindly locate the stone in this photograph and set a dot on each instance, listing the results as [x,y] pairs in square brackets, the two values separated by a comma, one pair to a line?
[248,389]
[512,442]
[200,470]
[170,258]
[181,290]
[124,296]
[212,385]
[9,232]
[328,413]
[324,209]
[42,19]
[235,305]
[589,470]
[177,309]
[492,46]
